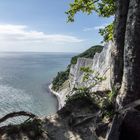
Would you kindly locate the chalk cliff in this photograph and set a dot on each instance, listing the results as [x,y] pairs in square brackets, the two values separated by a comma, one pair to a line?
[101,63]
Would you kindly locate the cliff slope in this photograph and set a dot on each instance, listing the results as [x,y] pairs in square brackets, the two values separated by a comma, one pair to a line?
[99,62]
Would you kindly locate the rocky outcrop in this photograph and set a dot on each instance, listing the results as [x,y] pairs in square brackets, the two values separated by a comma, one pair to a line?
[125,124]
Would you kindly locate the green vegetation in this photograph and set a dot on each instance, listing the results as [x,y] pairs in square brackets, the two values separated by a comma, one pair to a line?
[90,80]
[79,93]
[107,105]
[64,75]
[104,8]
[88,53]
[60,79]
[107,32]
[104,100]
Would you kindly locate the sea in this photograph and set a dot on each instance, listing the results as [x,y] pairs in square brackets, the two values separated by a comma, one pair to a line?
[24,81]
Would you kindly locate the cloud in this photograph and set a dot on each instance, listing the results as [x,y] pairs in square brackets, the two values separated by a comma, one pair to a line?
[94,28]
[22,38]
[22,33]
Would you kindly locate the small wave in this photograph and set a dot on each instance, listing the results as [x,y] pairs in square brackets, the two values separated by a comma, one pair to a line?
[1,78]
[12,99]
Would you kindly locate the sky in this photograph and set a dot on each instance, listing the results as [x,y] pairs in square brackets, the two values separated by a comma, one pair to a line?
[41,26]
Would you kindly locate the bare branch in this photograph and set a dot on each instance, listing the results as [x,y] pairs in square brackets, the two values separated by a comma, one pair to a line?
[16,114]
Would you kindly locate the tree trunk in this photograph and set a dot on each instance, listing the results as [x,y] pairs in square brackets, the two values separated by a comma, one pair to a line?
[119,38]
[130,89]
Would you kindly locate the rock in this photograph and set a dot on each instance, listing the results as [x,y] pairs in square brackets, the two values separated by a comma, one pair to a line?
[130,128]
[125,125]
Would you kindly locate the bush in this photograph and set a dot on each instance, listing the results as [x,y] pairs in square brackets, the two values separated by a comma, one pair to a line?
[60,79]
[88,53]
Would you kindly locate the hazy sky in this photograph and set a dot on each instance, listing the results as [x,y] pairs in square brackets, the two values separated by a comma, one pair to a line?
[40,25]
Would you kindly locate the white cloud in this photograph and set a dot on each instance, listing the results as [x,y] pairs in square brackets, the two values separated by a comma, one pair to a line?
[20,35]
[94,28]
[88,29]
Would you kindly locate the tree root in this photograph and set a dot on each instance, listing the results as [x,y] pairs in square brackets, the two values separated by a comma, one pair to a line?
[16,114]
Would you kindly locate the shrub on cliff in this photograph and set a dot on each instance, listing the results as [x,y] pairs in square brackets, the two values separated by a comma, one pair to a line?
[88,53]
[60,79]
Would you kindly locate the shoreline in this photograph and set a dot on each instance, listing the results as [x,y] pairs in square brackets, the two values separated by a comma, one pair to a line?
[57,96]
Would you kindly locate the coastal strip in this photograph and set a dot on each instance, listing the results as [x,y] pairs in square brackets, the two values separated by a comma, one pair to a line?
[57,96]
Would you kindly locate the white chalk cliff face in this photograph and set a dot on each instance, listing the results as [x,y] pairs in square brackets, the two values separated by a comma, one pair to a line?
[101,63]
[76,75]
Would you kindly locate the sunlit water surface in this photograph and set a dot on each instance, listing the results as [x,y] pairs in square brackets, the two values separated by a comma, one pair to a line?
[24,80]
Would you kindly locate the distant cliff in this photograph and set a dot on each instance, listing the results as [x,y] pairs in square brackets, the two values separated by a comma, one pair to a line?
[98,59]
[64,75]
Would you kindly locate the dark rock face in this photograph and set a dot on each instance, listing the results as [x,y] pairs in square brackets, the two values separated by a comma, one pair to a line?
[125,125]
[130,128]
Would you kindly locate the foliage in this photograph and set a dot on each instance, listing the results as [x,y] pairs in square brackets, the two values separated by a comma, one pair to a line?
[104,101]
[107,32]
[112,95]
[108,104]
[90,80]
[88,53]
[60,79]
[79,93]
[104,8]
[86,6]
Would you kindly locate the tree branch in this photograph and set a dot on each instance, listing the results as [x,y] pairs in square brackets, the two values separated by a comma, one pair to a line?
[16,114]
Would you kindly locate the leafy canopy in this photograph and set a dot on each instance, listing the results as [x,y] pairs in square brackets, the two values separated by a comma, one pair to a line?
[107,32]
[104,8]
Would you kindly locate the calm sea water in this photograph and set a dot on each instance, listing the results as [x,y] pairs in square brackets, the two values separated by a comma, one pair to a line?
[24,80]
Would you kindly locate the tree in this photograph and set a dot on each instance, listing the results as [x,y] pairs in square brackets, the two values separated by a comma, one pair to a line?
[126,58]
[104,8]
[130,89]
[119,41]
